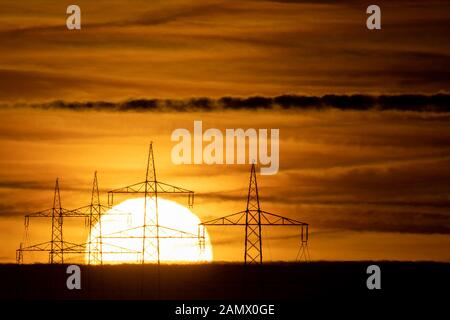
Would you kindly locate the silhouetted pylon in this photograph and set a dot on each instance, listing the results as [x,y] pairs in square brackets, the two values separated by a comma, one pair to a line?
[93,213]
[57,243]
[253,218]
[57,247]
[253,240]
[95,246]
[151,188]
[150,239]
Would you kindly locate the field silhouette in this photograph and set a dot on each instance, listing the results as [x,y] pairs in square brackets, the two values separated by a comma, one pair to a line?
[225,281]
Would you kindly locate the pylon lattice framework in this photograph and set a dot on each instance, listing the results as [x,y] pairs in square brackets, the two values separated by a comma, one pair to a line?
[253,218]
[57,247]
[152,232]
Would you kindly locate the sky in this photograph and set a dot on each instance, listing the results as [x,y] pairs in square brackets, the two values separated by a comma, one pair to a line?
[372,183]
[172,49]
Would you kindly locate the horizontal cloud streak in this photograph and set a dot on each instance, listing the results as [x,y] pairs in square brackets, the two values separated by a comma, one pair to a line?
[403,102]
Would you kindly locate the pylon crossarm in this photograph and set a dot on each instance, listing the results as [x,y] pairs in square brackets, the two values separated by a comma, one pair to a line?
[164,233]
[79,212]
[113,211]
[74,247]
[74,213]
[168,188]
[82,248]
[140,188]
[154,237]
[160,187]
[132,188]
[45,246]
[124,250]
[86,211]
[237,219]
[44,213]
[122,233]
[268,218]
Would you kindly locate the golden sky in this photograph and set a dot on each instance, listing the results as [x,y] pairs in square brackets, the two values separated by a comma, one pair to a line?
[372,184]
[183,48]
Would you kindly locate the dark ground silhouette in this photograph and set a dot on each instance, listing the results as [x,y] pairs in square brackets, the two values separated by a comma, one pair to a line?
[276,281]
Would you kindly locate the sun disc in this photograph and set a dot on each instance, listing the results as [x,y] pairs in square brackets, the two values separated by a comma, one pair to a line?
[122,232]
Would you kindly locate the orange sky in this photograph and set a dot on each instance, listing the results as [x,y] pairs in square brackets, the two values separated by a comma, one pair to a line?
[372,185]
[139,48]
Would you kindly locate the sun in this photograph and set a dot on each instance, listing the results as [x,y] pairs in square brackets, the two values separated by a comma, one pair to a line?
[126,219]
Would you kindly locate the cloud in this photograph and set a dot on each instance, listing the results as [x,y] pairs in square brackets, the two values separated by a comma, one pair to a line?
[402,197]
[359,102]
[390,221]
[24,185]
[11,211]
[19,85]
[342,215]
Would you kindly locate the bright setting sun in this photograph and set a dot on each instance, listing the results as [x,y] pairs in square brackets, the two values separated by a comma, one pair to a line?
[127,219]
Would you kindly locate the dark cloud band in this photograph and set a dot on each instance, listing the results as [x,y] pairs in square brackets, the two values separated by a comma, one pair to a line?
[403,102]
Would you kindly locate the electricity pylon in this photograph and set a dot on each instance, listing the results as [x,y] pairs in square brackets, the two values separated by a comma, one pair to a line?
[57,247]
[253,218]
[57,244]
[151,229]
[95,225]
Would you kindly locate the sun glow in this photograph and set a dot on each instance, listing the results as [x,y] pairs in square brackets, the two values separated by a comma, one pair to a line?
[126,219]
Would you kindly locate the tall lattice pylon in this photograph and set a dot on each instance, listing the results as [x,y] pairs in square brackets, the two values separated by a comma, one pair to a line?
[253,218]
[150,237]
[95,246]
[57,247]
[151,188]
[253,240]
[57,243]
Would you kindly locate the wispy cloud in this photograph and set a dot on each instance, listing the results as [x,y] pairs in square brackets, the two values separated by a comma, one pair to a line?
[403,102]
